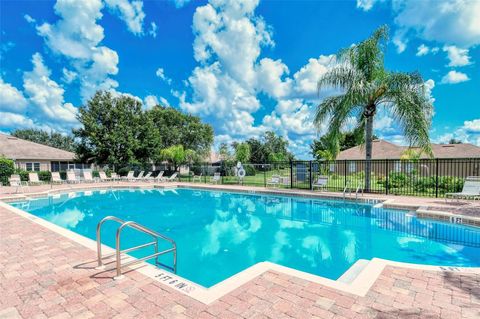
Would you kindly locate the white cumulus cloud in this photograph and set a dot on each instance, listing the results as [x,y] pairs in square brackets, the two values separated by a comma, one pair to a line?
[453,77]
[457,56]
[131,12]
[11,99]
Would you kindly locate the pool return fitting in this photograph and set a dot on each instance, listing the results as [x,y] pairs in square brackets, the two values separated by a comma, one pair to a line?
[131,224]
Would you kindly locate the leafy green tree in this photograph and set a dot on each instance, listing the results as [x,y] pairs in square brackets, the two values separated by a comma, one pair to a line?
[53,139]
[177,155]
[111,129]
[367,86]
[176,128]
[242,152]
[270,148]
[7,168]
[224,152]
[454,141]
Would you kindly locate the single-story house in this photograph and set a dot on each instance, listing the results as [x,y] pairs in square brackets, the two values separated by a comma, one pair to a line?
[448,159]
[32,156]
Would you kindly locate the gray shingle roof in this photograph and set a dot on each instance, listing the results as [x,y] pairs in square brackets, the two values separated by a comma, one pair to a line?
[16,148]
[386,150]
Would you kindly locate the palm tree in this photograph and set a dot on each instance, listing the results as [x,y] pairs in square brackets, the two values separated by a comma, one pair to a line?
[365,87]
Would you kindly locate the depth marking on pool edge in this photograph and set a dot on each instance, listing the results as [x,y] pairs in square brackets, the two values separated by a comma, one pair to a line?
[175,282]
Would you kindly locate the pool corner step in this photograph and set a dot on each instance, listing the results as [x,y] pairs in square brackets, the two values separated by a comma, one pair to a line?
[351,274]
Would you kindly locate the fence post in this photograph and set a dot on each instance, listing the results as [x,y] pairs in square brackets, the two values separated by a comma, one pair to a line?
[345,173]
[436,178]
[291,174]
[310,176]
[264,175]
[387,172]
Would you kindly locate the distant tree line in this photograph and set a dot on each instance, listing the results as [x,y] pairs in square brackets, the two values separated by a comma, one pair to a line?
[54,139]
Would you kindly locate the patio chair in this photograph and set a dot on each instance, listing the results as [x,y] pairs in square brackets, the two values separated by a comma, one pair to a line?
[471,189]
[15,181]
[130,176]
[197,178]
[172,177]
[56,179]
[148,177]
[103,177]
[320,183]
[215,178]
[159,177]
[33,179]
[87,177]
[114,177]
[72,178]
[140,176]
[274,181]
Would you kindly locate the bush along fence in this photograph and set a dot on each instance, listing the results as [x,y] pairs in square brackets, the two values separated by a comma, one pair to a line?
[425,177]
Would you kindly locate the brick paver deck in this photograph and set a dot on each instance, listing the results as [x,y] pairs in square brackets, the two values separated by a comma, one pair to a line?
[45,275]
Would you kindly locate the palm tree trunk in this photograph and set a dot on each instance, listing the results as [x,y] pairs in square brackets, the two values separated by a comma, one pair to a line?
[368,151]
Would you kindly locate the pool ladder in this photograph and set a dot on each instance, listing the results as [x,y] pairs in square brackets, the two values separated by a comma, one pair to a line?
[131,224]
[358,189]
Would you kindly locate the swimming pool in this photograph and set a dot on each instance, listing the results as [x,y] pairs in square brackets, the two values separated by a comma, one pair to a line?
[220,233]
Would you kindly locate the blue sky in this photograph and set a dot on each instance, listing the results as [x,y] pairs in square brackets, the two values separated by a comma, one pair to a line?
[243,66]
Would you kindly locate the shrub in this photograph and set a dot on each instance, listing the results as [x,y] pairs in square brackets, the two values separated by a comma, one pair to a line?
[23,174]
[7,168]
[249,170]
[45,176]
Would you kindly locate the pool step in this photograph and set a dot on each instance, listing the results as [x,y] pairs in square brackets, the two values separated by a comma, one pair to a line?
[352,272]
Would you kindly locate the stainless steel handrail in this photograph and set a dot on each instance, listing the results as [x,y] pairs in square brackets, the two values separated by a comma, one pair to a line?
[118,251]
[99,237]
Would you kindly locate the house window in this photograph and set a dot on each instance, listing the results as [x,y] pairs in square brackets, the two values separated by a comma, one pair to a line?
[332,168]
[32,167]
[398,166]
[352,167]
[409,167]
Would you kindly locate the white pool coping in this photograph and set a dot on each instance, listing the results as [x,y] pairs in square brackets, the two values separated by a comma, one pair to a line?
[357,280]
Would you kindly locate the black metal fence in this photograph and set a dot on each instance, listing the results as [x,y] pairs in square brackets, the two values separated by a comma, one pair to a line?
[424,177]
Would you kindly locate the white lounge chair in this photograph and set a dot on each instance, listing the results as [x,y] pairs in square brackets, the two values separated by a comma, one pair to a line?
[197,178]
[103,177]
[15,181]
[147,177]
[56,179]
[87,177]
[216,178]
[33,179]
[159,177]
[471,189]
[114,177]
[274,181]
[72,178]
[172,177]
[140,176]
[320,183]
[130,176]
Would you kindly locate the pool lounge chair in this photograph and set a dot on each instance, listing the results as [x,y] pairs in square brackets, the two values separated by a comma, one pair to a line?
[470,190]
[197,177]
[130,176]
[72,178]
[114,177]
[172,178]
[103,177]
[140,176]
[15,181]
[159,177]
[87,177]
[56,179]
[274,181]
[148,177]
[33,179]
[320,183]
[216,178]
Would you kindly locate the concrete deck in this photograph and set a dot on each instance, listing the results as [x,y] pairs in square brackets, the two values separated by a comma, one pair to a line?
[45,275]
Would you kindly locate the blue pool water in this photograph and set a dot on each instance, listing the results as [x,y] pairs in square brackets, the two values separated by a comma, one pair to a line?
[219,234]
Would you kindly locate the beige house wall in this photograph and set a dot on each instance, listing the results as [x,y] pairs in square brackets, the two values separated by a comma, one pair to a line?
[44,165]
